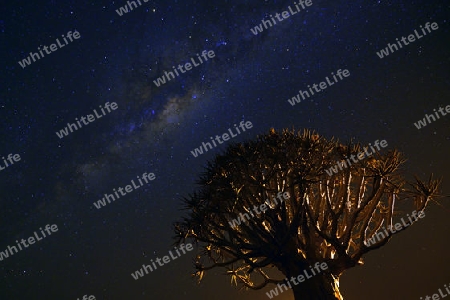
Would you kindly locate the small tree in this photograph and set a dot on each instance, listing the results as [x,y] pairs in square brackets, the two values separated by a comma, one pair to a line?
[325,218]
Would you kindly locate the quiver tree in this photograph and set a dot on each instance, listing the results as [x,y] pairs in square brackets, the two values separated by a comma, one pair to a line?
[327,217]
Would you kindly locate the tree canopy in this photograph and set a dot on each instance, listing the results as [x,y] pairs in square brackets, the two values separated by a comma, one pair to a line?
[319,216]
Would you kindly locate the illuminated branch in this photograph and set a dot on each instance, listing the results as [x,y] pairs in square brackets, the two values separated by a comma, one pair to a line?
[326,218]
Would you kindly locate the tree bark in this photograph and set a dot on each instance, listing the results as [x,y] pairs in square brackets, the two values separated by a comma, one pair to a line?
[323,286]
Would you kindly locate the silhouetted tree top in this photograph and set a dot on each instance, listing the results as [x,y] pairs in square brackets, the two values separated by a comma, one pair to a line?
[327,217]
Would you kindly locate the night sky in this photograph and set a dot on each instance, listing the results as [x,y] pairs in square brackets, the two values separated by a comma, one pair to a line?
[154,129]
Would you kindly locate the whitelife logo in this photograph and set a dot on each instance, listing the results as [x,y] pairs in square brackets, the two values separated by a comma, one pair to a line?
[128,189]
[225,136]
[315,87]
[300,278]
[188,66]
[85,297]
[431,118]
[31,240]
[27,61]
[391,48]
[360,156]
[281,17]
[90,118]
[263,207]
[383,233]
[124,9]
[166,259]
[438,296]
[10,158]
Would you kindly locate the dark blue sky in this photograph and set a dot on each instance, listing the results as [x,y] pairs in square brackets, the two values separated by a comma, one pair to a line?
[155,128]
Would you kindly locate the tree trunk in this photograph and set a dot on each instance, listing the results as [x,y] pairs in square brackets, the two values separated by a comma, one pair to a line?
[323,286]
